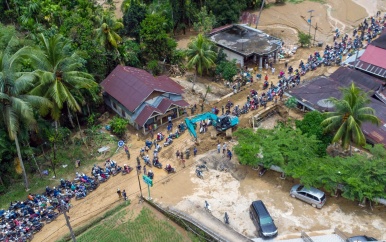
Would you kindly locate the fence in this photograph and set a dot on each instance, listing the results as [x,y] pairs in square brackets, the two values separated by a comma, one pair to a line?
[340,234]
[305,237]
[189,224]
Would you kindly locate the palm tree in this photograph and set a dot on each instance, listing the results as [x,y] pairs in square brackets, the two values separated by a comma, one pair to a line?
[350,112]
[16,106]
[106,33]
[61,77]
[200,54]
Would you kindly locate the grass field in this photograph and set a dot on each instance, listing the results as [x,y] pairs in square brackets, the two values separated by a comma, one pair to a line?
[145,227]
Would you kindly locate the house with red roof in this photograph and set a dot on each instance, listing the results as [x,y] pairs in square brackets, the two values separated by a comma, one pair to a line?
[146,101]
[373,60]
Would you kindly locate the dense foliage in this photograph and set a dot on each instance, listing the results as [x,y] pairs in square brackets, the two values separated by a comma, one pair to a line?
[311,125]
[351,111]
[358,177]
[227,69]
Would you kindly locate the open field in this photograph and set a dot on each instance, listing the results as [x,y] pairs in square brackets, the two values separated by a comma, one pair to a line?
[135,223]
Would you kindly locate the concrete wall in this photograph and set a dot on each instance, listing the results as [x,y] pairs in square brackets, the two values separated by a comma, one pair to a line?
[232,55]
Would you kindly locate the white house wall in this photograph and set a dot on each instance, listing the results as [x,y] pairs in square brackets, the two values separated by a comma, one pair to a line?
[231,55]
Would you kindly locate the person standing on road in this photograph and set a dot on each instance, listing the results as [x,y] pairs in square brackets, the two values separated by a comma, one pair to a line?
[178,154]
[229,154]
[224,148]
[273,70]
[124,195]
[183,163]
[222,110]
[218,148]
[195,151]
[119,193]
[144,170]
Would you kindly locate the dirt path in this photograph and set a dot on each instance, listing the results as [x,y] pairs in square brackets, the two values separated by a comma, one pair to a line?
[233,192]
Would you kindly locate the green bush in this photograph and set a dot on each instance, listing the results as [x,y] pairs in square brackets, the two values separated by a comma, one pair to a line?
[118,125]
[153,67]
[304,39]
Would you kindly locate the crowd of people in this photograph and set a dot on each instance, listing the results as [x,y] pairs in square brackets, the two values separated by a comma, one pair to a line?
[343,44]
[24,218]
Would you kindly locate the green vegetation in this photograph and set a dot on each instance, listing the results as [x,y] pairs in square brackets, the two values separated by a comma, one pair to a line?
[119,125]
[227,69]
[311,125]
[350,112]
[106,215]
[200,54]
[304,39]
[300,157]
[145,227]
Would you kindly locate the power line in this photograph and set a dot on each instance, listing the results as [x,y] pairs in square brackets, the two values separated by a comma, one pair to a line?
[130,195]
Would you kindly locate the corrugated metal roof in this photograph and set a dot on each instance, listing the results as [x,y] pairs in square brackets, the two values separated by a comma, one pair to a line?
[181,103]
[131,86]
[321,88]
[375,56]
[145,114]
[380,41]
[164,105]
[369,68]
[346,75]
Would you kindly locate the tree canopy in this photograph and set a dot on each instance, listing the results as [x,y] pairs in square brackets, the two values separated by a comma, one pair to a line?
[350,112]
[357,177]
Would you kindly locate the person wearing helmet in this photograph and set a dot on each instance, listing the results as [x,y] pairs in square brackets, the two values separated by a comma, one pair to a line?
[150,174]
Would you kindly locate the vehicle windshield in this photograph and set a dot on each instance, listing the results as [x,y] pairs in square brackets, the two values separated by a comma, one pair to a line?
[300,188]
[266,220]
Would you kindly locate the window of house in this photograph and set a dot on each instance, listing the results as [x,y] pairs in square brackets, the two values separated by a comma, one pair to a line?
[114,105]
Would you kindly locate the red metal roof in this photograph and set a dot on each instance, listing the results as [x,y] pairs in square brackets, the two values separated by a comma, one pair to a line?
[164,105]
[145,114]
[181,103]
[375,56]
[131,86]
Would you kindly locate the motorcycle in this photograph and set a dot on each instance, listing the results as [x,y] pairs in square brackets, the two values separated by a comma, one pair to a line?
[170,170]
[156,163]
[202,167]
[127,170]
[199,174]
[147,162]
[80,195]
[168,142]
[115,171]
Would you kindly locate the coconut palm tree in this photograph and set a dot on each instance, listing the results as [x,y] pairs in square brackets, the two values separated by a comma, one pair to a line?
[16,105]
[61,78]
[350,112]
[200,54]
[106,33]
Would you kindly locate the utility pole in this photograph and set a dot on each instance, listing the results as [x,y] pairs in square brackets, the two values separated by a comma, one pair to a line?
[310,21]
[139,183]
[258,17]
[316,28]
[64,208]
